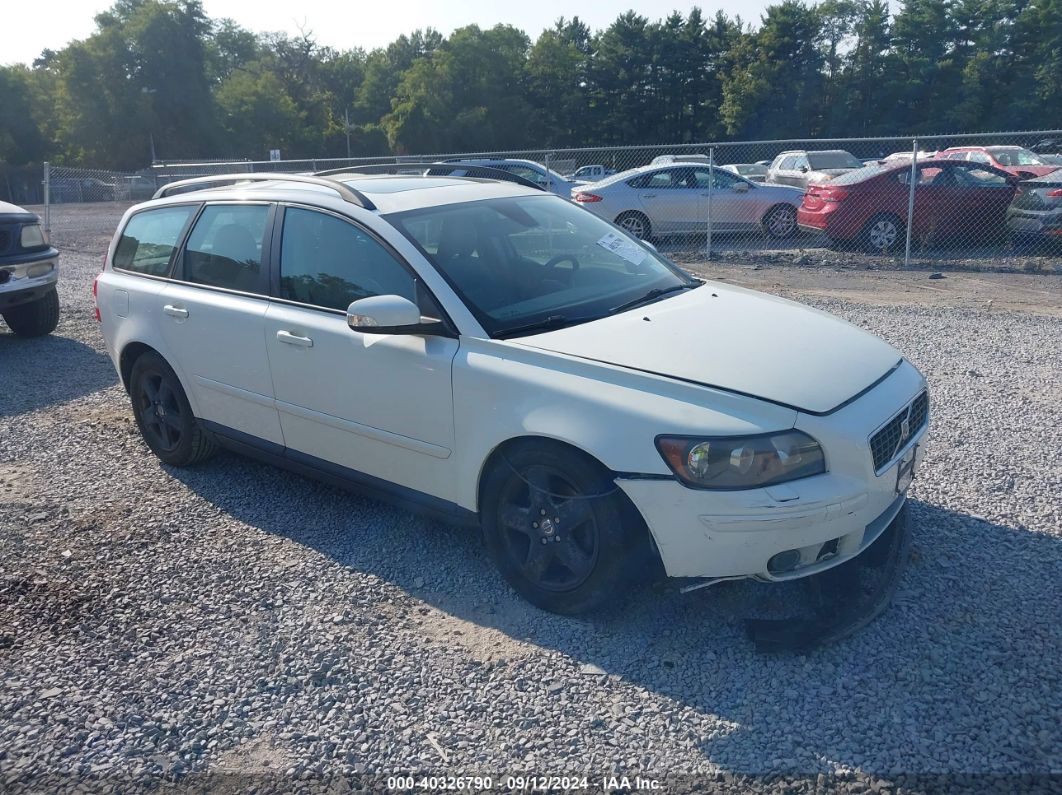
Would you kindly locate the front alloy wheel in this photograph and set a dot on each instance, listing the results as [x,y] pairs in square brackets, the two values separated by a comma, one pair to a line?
[557,527]
[548,530]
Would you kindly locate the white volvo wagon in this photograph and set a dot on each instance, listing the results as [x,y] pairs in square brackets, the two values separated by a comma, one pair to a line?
[496,355]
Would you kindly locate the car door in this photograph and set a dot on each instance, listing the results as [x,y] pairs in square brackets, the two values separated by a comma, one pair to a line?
[377,404]
[983,195]
[212,318]
[932,196]
[730,206]
[671,199]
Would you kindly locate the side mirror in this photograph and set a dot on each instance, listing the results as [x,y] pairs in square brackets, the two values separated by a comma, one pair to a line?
[803,169]
[389,314]
[741,187]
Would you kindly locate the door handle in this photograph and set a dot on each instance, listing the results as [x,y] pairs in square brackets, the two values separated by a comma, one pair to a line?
[294,339]
[175,311]
[648,195]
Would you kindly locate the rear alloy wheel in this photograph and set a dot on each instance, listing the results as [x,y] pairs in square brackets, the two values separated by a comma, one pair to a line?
[557,528]
[883,233]
[780,222]
[164,415]
[35,318]
[636,223]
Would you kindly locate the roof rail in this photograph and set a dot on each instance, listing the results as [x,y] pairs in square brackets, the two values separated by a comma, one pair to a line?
[436,169]
[345,192]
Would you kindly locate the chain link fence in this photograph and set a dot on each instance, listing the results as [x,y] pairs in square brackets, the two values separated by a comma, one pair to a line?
[987,199]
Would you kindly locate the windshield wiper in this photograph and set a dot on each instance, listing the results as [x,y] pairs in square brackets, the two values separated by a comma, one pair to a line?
[546,324]
[656,292]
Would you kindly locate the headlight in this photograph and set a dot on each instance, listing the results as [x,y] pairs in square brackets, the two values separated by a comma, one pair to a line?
[742,462]
[32,236]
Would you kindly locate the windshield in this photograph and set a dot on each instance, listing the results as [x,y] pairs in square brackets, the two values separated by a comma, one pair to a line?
[820,160]
[525,260]
[1015,156]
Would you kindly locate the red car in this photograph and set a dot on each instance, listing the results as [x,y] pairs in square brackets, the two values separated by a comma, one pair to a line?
[953,199]
[1016,160]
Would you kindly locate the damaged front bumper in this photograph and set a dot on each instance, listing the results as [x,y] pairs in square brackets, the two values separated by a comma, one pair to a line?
[775,534]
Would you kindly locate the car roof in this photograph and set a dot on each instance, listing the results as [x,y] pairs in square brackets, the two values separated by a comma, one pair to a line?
[388,192]
[12,209]
[814,152]
[484,160]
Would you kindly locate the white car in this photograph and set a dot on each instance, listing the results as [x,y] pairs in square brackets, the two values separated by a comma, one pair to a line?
[500,357]
[590,173]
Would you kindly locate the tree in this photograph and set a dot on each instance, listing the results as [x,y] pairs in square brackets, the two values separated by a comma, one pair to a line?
[21,138]
[467,95]
[775,85]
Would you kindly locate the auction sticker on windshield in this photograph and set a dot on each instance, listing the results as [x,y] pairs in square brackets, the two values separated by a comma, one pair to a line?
[631,252]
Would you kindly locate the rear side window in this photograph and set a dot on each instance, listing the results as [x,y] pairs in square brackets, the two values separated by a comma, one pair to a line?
[150,238]
[225,247]
[327,262]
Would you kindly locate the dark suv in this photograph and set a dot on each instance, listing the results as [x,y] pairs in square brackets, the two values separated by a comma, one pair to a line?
[29,269]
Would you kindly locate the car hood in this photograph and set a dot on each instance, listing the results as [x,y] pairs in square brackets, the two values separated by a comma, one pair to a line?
[738,340]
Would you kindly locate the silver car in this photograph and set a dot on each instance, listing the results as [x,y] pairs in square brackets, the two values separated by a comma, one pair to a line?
[666,200]
[545,178]
[801,167]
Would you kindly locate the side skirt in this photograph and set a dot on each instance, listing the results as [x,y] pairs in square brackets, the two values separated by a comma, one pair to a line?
[342,477]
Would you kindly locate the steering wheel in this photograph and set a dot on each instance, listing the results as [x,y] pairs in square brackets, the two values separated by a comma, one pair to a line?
[557,260]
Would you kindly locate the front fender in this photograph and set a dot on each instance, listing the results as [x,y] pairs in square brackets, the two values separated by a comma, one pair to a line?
[504,391]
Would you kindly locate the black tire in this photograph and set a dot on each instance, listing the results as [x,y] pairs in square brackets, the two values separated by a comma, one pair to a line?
[884,233]
[635,223]
[36,318]
[779,222]
[164,415]
[523,514]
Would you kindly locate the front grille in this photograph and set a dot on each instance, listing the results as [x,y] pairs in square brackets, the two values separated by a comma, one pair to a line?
[886,443]
[5,240]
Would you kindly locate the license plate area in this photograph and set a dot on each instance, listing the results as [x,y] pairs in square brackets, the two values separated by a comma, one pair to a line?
[905,470]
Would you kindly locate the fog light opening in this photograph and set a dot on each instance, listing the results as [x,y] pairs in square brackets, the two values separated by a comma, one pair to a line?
[829,550]
[784,561]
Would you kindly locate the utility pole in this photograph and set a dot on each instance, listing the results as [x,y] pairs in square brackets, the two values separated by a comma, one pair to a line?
[346,126]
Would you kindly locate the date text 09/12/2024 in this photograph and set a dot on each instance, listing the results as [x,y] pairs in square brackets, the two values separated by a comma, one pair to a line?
[609,783]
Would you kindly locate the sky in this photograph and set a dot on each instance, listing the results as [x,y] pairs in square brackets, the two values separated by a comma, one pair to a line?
[33,25]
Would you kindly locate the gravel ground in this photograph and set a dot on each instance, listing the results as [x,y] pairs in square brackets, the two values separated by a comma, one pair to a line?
[238,621]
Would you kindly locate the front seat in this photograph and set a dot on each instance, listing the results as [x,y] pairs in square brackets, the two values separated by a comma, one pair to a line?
[457,258]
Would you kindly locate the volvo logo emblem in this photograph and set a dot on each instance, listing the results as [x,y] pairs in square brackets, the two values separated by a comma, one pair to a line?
[905,429]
